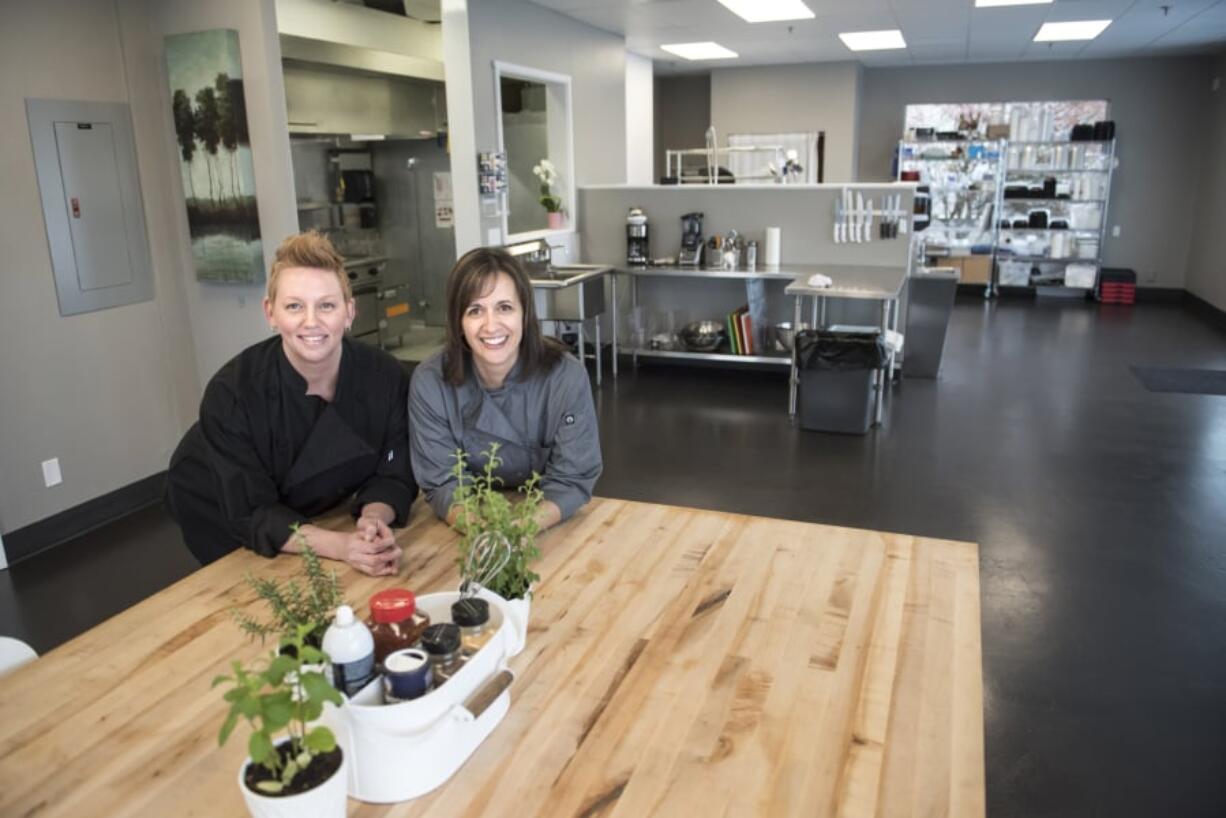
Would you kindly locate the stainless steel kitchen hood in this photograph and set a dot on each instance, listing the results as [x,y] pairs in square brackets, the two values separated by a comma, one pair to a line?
[364,60]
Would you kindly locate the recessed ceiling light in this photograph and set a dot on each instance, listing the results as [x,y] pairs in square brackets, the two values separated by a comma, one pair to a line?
[768,11]
[1071,30]
[983,4]
[699,51]
[873,40]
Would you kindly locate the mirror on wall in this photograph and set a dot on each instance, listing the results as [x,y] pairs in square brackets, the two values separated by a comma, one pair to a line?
[534,130]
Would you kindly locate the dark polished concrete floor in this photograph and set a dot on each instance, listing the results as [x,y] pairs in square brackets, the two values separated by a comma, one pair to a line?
[1100,509]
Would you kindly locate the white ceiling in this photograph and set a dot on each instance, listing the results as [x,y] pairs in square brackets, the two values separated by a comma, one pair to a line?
[936,31]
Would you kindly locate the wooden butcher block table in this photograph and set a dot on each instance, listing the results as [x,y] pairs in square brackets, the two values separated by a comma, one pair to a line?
[679,662]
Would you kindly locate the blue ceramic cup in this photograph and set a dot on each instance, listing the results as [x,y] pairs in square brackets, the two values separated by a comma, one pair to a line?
[406,675]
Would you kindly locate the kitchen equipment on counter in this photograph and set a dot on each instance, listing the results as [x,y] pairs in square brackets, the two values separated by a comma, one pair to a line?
[358,185]
[702,336]
[751,255]
[690,254]
[774,241]
[638,239]
[785,334]
[730,251]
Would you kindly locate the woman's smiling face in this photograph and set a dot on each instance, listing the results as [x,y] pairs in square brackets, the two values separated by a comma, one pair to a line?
[493,327]
[311,313]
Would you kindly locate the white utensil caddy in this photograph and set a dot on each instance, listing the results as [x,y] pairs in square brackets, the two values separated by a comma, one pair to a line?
[400,751]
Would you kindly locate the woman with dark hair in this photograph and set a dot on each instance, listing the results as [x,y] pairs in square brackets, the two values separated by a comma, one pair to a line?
[499,380]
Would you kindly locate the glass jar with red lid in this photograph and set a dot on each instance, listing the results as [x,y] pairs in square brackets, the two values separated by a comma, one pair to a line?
[395,622]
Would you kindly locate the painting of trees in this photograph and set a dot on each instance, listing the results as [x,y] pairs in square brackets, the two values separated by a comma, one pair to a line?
[209,114]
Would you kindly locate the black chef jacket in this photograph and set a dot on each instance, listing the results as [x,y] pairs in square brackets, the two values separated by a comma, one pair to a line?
[265,455]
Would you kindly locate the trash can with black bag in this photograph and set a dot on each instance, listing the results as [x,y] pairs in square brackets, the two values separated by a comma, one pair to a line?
[836,371]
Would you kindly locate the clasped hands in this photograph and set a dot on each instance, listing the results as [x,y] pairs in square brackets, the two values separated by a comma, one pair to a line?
[371,547]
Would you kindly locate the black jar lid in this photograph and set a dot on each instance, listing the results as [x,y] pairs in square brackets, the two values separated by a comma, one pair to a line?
[441,639]
[469,613]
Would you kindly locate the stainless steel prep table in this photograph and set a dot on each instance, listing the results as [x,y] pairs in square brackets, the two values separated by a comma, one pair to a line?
[882,284]
[785,272]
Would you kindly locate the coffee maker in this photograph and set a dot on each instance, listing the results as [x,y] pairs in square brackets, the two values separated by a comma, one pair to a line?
[638,245]
[691,240]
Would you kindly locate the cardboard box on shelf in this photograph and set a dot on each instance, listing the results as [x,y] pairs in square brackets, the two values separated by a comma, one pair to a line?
[972,269]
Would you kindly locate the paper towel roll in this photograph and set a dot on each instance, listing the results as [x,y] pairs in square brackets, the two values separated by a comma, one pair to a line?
[771,256]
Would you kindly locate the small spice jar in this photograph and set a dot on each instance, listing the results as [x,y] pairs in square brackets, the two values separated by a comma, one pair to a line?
[473,617]
[442,644]
[395,622]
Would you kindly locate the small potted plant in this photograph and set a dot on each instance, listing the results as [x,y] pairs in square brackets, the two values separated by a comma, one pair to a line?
[303,774]
[487,511]
[311,600]
[548,174]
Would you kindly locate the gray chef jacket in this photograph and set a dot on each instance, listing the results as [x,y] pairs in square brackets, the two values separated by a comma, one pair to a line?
[545,423]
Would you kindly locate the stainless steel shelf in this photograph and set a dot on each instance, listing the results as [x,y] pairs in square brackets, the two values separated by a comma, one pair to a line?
[1008,199]
[723,357]
[1057,170]
[1086,231]
[1044,259]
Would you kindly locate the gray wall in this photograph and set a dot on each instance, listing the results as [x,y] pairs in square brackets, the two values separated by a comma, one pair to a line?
[804,214]
[789,99]
[1157,107]
[682,114]
[526,34]
[1207,261]
[106,392]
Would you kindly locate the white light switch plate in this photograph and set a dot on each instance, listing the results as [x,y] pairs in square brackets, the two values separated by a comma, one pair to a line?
[51,472]
[1115,231]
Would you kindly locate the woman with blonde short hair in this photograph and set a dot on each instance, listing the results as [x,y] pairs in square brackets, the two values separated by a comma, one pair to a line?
[296,424]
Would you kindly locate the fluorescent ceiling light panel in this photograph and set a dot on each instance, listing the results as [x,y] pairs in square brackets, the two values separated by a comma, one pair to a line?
[984,4]
[699,51]
[1071,30]
[873,40]
[768,11]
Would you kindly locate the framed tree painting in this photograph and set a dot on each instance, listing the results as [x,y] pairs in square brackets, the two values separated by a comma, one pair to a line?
[210,121]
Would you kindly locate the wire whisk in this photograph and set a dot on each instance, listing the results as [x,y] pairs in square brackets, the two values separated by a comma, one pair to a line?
[489,554]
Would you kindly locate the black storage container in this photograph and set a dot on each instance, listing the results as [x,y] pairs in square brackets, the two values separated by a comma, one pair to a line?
[1081,133]
[1104,131]
[836,379]
[1037,219]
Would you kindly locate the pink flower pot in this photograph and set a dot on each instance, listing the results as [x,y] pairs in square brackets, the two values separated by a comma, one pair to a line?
[556,220]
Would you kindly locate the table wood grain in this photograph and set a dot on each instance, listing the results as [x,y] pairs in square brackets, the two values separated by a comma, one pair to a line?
[679,662]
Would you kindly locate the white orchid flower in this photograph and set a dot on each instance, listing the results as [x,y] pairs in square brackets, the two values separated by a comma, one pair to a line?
[536,169]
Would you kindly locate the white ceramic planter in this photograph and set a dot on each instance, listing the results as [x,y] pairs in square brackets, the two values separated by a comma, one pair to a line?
[518,610]
[325,801]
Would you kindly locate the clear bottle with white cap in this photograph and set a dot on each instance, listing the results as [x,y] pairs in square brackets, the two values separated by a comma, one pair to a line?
[351,649]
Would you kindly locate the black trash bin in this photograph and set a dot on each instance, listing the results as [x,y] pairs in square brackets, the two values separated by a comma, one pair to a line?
[836,379]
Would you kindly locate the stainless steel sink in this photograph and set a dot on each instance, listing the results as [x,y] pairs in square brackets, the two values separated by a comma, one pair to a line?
[562,289]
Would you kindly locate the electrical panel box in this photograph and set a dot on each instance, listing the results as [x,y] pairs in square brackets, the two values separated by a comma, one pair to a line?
[85,158]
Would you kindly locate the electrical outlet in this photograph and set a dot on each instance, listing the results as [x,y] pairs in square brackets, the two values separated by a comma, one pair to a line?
[1115,231]
[51,472]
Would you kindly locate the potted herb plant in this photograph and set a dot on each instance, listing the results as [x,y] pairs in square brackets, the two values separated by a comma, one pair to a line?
[302,774]
[548,174]
[487,511]
[310,600]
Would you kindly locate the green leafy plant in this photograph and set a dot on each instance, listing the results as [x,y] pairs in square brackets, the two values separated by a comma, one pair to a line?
[309,600]
[486,508]
[278,693]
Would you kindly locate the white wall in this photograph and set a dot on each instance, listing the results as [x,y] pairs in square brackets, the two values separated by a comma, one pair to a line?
[640,116]
[227,318]
[523,33]
[1157,107]
[1206,261]
[107,392]
[805,97]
